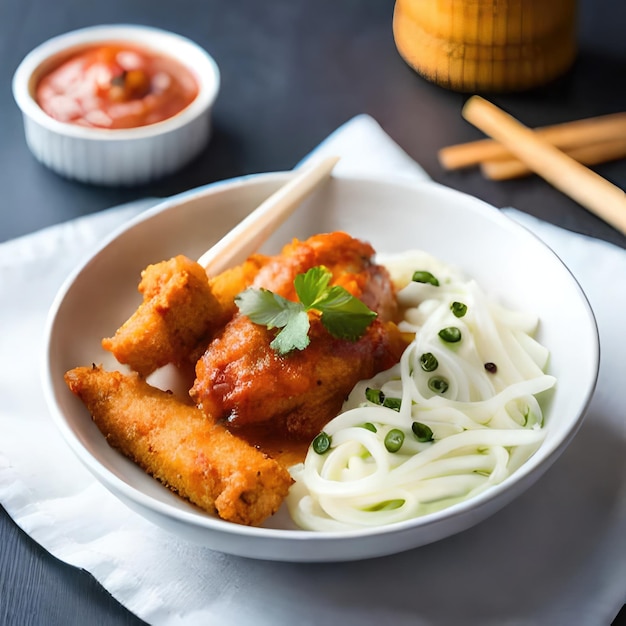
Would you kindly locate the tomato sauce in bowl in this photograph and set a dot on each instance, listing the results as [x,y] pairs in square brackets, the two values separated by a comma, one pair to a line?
[116,86]
[116,104]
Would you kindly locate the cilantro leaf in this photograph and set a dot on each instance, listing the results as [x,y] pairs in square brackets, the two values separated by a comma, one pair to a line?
[312,286]
[340,299]
[341,326]
[294,335]
[343,315]
[266,308]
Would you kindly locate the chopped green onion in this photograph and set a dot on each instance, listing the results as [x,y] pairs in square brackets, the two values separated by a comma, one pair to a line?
[458,309]
[429,362]
[321,443]
[438,384]
[386,505]
[451,334]
[422,432]
[375,396]
[392,403]
[424,277]
[369,426]
[394,440]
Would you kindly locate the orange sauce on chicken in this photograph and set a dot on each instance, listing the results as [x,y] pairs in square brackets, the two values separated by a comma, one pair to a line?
[115,86]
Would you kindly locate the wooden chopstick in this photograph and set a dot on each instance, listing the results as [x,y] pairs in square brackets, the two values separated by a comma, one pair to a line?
[592,154]
[567,135]
[585,186]
[245,238]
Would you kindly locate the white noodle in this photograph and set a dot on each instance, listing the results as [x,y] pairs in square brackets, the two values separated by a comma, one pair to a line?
[485,424]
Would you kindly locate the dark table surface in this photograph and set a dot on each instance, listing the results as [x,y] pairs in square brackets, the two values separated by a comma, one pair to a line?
[292,72]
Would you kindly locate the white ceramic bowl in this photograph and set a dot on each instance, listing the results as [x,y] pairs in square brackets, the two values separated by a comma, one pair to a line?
[122,156]
[393,215]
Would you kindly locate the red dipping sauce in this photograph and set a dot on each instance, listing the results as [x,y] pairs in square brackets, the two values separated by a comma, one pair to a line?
[116,86]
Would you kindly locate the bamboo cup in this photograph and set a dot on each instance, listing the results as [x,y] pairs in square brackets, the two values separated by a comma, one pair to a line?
[589,189]
[486,45]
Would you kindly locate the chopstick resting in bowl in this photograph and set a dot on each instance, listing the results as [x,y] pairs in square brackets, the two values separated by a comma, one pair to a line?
[589,189]
[254,229]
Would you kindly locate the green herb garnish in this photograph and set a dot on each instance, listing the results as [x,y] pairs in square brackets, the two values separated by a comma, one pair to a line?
[376,396]
[458,309]
[386,505]
[369,426]
[392,403]
[343,315]
[394,440]
[422,432]
[428,362]
[438,384]
[451,334]
[422,276]
[321,443]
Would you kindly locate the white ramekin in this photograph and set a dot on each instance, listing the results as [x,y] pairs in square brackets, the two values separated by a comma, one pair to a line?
[124,156]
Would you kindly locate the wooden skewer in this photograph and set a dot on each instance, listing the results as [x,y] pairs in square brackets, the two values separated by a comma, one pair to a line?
[593,154]
[589,189]
[245,238]
[566,135]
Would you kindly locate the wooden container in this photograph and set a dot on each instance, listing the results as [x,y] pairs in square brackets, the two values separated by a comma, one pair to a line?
[486,45]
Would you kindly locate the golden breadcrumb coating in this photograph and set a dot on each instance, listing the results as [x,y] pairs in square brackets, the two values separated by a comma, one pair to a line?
[182,447]
[181,310]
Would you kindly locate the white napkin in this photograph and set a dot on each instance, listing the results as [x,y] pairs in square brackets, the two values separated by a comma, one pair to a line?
[557,555]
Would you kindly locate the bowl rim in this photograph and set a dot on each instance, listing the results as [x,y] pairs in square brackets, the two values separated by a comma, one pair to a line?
[207,76]
[525,475]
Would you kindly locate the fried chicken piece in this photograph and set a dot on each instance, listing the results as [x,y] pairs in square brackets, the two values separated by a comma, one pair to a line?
[182,447]
[350,261]
[230,282]
[175,315]
[241,379]
[181,310]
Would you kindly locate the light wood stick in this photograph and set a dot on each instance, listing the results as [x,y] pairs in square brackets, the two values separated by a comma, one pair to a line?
[585,186]
[254,229]
[566,135]
[592,154]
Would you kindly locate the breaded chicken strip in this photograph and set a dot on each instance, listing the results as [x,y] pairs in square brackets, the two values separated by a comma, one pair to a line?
[181,447]
[241,379]
[181,310]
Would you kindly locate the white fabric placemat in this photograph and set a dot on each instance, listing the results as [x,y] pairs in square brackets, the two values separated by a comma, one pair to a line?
[557,555]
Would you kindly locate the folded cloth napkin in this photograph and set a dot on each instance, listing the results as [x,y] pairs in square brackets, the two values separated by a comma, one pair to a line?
[557,555]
